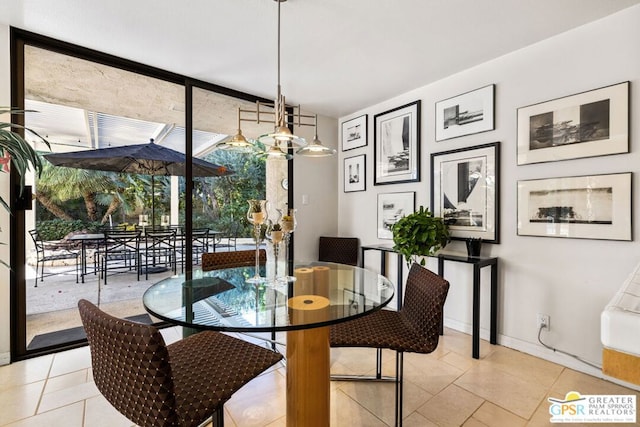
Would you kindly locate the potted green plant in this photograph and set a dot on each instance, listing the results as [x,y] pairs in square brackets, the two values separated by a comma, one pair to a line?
[419,234]
[15,149]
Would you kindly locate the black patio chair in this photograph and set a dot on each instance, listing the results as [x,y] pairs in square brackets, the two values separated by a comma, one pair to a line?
[158,252]
[52,251]
[119,253]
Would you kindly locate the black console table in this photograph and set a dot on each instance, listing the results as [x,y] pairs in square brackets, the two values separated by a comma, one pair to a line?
[478,263]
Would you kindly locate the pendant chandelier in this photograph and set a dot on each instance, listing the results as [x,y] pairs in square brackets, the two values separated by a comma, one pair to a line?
[279,141]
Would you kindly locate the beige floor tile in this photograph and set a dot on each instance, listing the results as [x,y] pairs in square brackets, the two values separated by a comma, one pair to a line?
[472,422]
[379,397]
[280,422]
[464,362]
[415,419]
[570,380]
[67,396]
[100,413]
[25,372]
[345,412]
[65,381]
[513,393]
[451,407]
[70,361]
[428,373]
[362,361]
[541,416]
[461,343]
[260,402]
[525,366]
[68,416]
[495,416]
[20,402]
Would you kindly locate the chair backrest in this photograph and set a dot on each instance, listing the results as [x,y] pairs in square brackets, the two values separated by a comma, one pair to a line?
[119,241]
[423,306]
[218,260]
[343,250]
[130,364]
[157,240]
[37,241]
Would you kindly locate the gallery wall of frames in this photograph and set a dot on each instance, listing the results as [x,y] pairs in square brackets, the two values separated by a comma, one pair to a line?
[465,182]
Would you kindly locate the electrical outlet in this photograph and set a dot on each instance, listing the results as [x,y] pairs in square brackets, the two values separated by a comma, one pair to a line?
[542,320]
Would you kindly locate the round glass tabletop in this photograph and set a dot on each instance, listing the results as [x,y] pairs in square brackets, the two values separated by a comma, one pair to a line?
[321,294]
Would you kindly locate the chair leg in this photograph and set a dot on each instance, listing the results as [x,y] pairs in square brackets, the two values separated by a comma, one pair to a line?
[218,417]
[378,363]
[399,383]
[36,281]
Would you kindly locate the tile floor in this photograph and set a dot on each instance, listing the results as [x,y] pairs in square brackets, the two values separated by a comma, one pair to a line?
[446,388]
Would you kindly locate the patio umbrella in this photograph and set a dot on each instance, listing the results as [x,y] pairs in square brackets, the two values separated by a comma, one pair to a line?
[145,159]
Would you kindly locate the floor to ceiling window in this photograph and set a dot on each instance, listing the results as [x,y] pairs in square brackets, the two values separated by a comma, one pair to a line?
[86,101]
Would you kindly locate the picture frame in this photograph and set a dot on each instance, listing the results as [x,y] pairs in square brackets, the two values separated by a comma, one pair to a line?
[581,207]
[465,191]
[466,114]
[392,207]
[355,173]
[397,145]
[354,133]
[587,124]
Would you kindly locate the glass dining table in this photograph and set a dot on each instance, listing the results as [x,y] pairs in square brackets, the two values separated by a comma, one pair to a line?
[318,295]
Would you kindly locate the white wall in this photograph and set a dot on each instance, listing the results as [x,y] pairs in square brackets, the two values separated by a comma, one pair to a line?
[569,279]
[316,178]
[5,99]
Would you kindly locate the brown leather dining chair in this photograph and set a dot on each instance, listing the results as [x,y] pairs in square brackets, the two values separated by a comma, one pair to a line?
[181,384]
[219,260]
[415,328]
[342,250]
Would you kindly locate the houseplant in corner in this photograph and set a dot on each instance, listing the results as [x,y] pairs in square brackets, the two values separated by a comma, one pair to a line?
[18,152]
[419,234]
[14,149]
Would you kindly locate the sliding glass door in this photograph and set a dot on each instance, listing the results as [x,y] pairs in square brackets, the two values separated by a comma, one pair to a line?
[85,100]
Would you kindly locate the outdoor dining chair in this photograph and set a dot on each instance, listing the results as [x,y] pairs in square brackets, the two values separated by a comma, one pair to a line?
[182,384]
[119,253]
[52,251]
[200,243]
[158,252]
[415,328]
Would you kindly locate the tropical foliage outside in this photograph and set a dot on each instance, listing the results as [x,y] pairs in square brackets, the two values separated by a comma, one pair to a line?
[75,199]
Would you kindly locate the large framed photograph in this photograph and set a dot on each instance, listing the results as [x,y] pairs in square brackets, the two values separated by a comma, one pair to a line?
[355,173]
[582,207]
[587,124]
[392,207]
[466,114]
[354,133]
[465,191]
[397,145]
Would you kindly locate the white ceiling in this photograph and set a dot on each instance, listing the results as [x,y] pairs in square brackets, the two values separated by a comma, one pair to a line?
[338,56]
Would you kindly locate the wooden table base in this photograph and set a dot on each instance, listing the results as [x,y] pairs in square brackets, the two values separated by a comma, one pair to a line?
[308,377]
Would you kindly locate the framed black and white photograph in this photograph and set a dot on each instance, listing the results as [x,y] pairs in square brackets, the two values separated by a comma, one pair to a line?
[465,191]
[392,207]
[466,114]
[355,173]
[397,145]
[587,124]
[354,133]
[582,207]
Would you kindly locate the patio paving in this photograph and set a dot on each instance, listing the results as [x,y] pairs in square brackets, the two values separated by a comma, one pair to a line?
[52,306]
